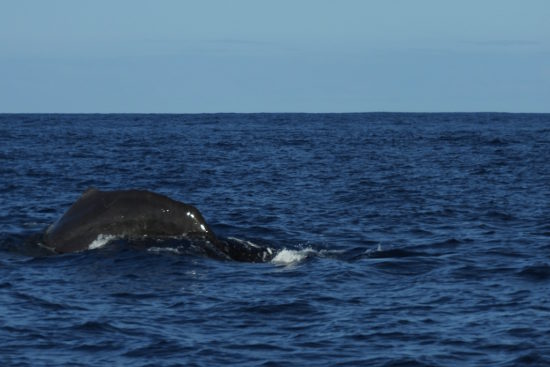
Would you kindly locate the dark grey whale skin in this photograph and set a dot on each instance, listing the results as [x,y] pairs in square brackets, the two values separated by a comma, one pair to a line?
[134,214]
[125,213]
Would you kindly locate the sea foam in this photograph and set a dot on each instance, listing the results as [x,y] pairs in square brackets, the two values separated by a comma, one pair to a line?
[288,257]
[100,241]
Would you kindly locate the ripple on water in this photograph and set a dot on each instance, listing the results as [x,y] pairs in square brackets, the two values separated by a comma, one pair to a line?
[457,202]
[538,272]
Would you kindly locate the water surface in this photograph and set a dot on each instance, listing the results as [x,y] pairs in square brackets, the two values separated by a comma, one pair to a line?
[403,239]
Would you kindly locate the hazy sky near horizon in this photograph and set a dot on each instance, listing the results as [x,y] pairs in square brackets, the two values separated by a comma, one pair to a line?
[177,56]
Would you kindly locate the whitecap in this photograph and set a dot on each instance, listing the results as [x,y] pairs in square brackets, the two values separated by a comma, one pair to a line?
[371,251]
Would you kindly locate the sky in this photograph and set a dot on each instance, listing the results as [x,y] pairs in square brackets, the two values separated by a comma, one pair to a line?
[205,56]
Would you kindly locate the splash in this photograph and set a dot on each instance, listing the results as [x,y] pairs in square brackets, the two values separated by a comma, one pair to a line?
[288,257]
[101,241]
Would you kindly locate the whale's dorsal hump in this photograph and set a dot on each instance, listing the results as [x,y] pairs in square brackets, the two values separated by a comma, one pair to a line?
[89,192]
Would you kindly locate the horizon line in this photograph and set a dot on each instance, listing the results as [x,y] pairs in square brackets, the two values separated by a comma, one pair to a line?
[271,113]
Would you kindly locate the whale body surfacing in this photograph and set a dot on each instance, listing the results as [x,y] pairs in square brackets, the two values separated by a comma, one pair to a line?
[135,214]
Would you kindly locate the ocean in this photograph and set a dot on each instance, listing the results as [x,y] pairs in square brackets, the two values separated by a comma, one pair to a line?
[400,240]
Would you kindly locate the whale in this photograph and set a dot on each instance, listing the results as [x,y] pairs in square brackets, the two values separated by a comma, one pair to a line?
[137,214]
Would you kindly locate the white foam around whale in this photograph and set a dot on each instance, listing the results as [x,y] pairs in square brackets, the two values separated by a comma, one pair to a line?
[288,257]
[158,250]
[100,241]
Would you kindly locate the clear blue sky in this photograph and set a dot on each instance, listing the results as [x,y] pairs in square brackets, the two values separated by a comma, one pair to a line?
[274,56]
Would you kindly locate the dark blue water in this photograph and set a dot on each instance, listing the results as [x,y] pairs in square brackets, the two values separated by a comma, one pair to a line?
[402,240]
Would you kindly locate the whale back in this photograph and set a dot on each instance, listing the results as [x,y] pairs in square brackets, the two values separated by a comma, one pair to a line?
[124,213]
